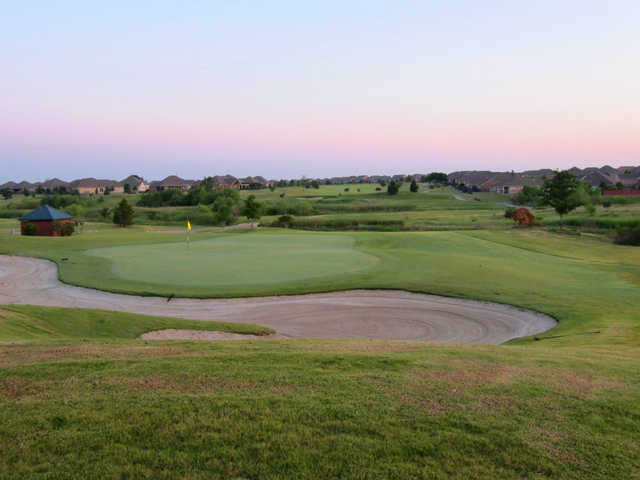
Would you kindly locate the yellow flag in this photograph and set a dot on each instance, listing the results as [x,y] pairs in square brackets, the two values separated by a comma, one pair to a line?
[188,225]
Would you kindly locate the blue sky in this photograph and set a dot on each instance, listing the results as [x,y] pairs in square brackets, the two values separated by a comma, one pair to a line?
[285,89]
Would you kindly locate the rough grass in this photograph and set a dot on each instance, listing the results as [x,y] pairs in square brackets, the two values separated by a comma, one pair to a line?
[81,397]
[315,409]
[26,322]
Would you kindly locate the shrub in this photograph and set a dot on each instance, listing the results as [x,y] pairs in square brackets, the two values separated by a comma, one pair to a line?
[29,229]
[393,188]
[508,213]
[606,204]
[628,236]
[65,229]
[283,221]
[123,214]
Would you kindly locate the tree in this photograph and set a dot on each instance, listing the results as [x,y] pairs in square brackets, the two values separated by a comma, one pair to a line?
[560,192]
[393,188]
[529,195]
[6,193]
[123,214]
[436,177]
[223,208]
[414,186]
[208,183]
[127,188]
[252,208]
[104,212]
[315,184]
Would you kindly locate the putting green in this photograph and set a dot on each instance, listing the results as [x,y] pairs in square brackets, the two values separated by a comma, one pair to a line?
[242,259]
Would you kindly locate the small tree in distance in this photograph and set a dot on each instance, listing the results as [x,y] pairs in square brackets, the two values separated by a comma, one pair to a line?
[252,208]
[393,188]
[123,214]
[104,212]
[414,186]
[559,192]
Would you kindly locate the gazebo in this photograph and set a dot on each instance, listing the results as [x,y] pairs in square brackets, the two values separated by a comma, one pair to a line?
[45,220]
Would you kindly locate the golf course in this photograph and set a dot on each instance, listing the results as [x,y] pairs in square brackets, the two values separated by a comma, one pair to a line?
[145,352]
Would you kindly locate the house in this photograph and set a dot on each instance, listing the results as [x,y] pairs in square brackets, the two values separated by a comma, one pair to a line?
[18,187]
[44,219]
[136,184]
[86,186]
[172,182]
[595,177]
[252,183]
[11,186]
[54,184]
[509,183]
[226,181]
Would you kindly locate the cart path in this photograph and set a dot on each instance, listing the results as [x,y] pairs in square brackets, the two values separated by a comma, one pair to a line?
[383,314]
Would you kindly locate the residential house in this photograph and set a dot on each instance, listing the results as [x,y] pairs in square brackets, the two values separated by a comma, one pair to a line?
[18,187]
[252,183]
[53,184]
[136,184]
[226,181]
[95,186]
[172,182]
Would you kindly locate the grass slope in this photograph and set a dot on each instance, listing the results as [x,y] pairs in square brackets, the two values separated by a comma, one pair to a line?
[271,409]
[27,322]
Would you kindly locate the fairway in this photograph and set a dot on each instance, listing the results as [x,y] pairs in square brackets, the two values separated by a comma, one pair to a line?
[237,260]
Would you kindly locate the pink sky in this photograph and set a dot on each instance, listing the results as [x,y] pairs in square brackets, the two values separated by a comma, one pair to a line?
[320,90]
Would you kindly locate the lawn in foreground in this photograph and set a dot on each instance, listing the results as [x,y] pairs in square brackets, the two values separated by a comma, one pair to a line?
[106,407]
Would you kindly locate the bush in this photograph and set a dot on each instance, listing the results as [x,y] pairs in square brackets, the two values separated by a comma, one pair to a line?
[508,213]
[29,229]
[64,229]
[628,236]
[123,214]
[283,221]
[393,188]
[606,204]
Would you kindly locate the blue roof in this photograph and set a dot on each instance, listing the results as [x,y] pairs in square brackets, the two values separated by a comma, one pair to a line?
[45,213]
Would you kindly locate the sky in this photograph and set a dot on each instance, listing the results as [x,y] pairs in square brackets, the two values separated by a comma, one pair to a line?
[289,88]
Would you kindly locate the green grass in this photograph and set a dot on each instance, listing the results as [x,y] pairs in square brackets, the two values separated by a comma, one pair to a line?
[271,409]
[27,322]
[585,282]
[82,397]
[236,260]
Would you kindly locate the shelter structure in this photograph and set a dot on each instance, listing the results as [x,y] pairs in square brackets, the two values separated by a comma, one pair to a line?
[45,219]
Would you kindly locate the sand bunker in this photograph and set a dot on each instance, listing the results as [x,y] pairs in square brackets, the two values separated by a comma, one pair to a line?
[177,334]
[383,314]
